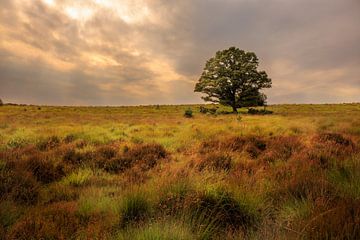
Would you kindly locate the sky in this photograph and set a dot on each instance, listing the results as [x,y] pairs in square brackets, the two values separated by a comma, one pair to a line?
[130,52]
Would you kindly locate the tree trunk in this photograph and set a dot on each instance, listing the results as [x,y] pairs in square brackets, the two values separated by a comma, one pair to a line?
[234,109]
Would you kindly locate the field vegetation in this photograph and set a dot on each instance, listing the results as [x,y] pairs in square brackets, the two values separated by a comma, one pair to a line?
[180,172]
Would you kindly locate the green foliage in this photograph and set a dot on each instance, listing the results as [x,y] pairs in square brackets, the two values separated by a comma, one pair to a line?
[188,113]
[260,112]
[207,110]
[231,78]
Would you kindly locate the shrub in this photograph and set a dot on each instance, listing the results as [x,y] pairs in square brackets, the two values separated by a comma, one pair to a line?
[215,161]
[44,170]
[17,184]
[107,152]
[207,110]
[144,156]
[1,102]
[188,113]
[24,188]
[259,112]
[135,208]
[71,156]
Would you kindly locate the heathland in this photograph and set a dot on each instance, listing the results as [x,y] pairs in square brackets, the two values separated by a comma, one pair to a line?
[149,172]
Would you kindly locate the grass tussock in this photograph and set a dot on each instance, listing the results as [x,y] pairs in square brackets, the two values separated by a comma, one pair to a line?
[144,157]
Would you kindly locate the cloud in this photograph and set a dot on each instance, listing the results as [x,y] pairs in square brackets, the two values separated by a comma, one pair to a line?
[153,51]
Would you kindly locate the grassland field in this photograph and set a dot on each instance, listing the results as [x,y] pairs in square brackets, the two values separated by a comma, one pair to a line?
[148,172]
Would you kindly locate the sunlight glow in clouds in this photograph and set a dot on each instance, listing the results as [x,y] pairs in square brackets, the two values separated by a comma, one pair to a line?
[129,11]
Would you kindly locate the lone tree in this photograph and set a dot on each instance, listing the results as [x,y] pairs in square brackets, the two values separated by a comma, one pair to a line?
[231,78]
[1,102]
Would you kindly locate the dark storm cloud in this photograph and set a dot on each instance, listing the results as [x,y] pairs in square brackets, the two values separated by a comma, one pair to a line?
[58,54]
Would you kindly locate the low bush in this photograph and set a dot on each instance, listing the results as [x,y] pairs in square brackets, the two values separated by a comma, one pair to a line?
[188,113]
[255,111]
[19,186]
[144,156]
[107,152]
[205,110]
[44,170]
[73,157]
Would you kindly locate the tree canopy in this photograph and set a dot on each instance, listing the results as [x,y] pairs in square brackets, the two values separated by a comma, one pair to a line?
[232,78]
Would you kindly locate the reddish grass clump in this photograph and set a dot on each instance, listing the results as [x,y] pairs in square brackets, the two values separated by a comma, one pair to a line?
[301,182]
[335,138]
[335,144]
[341,221]
[73,157]
[57,221]
[143,156]
[282,148]
[253,145]
[215,161]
